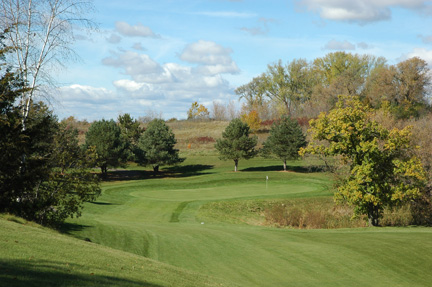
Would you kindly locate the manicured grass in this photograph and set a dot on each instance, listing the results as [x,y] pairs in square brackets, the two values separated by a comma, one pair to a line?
[34,256]
[159,218]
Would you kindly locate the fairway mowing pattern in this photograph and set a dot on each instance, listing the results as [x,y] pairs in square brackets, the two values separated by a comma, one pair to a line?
[159,218]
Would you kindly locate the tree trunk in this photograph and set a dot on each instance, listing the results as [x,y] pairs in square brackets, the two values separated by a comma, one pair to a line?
[373,216]
[235,165]
[284,165]
[156,169]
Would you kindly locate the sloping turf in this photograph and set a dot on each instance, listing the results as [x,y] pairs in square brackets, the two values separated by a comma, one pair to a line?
[35,256]
[158,218]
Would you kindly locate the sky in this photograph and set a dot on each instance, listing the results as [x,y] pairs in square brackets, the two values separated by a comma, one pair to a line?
[157,57]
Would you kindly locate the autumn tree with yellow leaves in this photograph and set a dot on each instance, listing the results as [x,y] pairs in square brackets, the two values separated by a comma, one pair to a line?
[197,111]
[383,171]
[252,119]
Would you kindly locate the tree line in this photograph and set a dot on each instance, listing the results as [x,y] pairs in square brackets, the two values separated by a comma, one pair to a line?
[45,174]
[117,143]
[300,88]
[370,123]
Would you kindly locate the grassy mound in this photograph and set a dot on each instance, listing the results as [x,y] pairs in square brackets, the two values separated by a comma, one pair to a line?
[35,256]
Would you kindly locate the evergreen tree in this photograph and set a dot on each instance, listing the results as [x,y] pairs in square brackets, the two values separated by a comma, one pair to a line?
[156,146]
[285,140]
[236,143]
[131,132]
[110,146]
[42,176]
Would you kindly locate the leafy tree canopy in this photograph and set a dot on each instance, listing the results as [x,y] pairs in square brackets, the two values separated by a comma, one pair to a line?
[198,111]
[131,131]
[110,146]
[156,146]
[383,172]
[43,175]
[236,143]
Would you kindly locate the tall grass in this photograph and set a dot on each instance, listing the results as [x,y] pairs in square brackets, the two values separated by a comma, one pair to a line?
[303,213]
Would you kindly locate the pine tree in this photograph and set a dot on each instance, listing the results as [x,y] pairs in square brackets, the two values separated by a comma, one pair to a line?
[285,140]
[236,143]
[156,146]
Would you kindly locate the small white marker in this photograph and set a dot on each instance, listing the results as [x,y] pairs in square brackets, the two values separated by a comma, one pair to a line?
[202,222]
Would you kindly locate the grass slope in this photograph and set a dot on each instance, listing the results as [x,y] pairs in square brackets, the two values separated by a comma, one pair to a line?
[160,218]
[36,256]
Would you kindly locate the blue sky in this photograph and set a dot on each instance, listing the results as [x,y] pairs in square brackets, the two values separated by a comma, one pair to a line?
[160,56]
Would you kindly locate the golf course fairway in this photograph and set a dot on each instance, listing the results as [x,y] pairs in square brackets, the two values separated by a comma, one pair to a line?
[159,218]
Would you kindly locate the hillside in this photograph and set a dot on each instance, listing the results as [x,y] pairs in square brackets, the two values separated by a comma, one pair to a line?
[35,256]
[166,218]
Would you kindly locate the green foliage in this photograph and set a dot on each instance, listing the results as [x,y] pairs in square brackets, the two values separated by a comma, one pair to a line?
[236,143]
[13,141]
[131,132]
[43,175]
[382,169]
[289,85]
[253,92]
[110,146]
[156,146]
[402,89]
[285,140]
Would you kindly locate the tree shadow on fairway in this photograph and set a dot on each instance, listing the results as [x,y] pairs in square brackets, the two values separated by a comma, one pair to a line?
[173,172]
[51,273]
[70,228]
[299,169]
[101,203]
[124,175]
[187,170]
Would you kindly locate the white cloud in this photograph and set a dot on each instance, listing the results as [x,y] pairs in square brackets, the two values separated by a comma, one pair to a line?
[138,30]
[167,86]
[255,31]
[79,93]
[214,58]
[337,45]
[86,102]
[362,11]
[133,63]
[138,47]
[422,54]
[426,39]
[263,29]
[206,52]
[363,45]
[114,39]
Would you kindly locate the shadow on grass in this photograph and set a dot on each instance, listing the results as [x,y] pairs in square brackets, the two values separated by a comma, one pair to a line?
[70,228]
[188,170]
[50,273]
[172,172]
[300,169]
[101,203]
[123,175]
